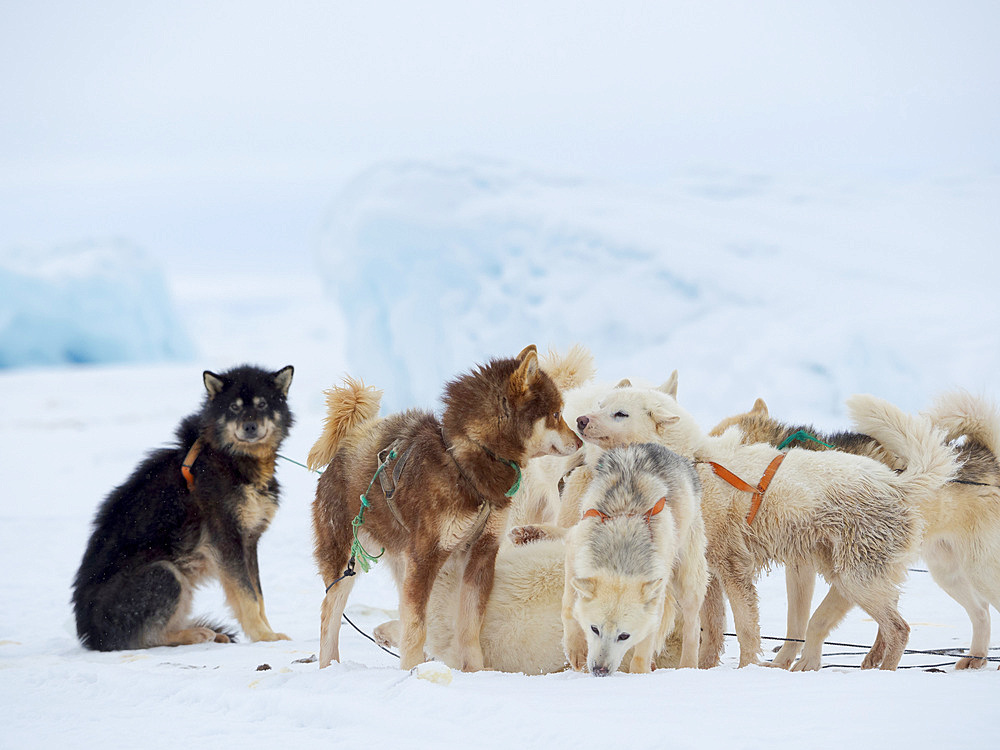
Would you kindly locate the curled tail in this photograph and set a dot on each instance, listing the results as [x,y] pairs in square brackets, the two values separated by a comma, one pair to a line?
[570,371]
[347,408]
[960,413]
[930,463]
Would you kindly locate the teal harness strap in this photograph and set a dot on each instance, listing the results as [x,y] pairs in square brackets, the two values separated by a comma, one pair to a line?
[517,482]
[365,558]
[801,435]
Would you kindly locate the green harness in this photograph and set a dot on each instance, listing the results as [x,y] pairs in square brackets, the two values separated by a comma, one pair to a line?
[801,435]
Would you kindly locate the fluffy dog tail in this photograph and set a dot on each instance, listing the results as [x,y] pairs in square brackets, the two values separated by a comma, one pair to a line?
[960,413]
[569,371]
[347,408]
[930,463]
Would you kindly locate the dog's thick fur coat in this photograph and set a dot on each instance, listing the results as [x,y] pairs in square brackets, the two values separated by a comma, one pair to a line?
[155,538]
[451,496]
[850,518]
[522,626]
[961,540]
[635,562]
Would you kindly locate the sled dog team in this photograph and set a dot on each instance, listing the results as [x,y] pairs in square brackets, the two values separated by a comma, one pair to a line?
[517,546]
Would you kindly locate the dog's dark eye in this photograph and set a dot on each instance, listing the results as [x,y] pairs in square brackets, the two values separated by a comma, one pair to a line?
[261,405]
[595,630]
[557,416]
[235,408]
[620,415]
[624,637]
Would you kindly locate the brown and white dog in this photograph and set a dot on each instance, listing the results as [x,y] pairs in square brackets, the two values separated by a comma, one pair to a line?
[447,491]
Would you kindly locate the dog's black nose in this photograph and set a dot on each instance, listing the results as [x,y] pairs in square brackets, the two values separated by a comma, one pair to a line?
[581,423]
[250,429]
[599,671]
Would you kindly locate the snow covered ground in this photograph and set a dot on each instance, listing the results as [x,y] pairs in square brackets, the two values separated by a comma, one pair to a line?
[901,316]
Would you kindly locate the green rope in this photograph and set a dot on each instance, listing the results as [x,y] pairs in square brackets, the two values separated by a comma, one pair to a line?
[801,435]
[293,461]
[517,482]
[365,558]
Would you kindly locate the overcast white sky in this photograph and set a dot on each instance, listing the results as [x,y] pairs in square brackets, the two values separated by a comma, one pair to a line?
[194,127]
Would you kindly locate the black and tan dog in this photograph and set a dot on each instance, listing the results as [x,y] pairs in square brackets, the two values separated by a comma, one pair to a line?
[189,513]
[451,496]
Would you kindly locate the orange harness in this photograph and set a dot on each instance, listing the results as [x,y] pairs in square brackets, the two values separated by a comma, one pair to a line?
[758,491]
[189,460]
[595,513]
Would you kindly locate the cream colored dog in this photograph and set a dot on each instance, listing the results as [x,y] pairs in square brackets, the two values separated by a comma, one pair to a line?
[961,541]
[634,562]
[522,626]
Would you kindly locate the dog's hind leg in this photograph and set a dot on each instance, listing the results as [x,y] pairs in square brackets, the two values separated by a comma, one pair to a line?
[947,572]
[830,611]
[893,632]
[140,608]
[418,579]
[331,612]
[474,593]
[800,582]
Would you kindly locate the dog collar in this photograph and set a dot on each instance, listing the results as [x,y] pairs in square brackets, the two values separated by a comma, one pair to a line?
[605,517]
[758,492]
[189,459]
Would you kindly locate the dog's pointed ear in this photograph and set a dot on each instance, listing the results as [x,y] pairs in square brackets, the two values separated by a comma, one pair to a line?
[213,383]
[585,587]
[670,387]
[283,379]
[759,408]
[524,376]
[624,383]
[529,349]
[651,591]
[662,417]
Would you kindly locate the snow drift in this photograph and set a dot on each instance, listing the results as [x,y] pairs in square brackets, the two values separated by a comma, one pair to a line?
[86,303]
[797,293]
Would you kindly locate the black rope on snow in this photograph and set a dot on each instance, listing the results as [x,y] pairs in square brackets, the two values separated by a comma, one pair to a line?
[929,652]
[369,637]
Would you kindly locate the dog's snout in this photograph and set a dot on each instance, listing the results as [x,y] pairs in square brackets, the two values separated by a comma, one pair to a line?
[249,429]
[599,670]
[581,423]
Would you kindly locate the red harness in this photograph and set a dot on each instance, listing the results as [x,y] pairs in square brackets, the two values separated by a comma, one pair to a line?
[595,513]
[758,491]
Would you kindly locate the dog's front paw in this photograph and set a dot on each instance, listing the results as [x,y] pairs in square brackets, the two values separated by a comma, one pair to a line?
[527,534]
[806,664]
[387,635]
[970,662]
[783,659]
[575,649]
[472,660]
[270,635]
